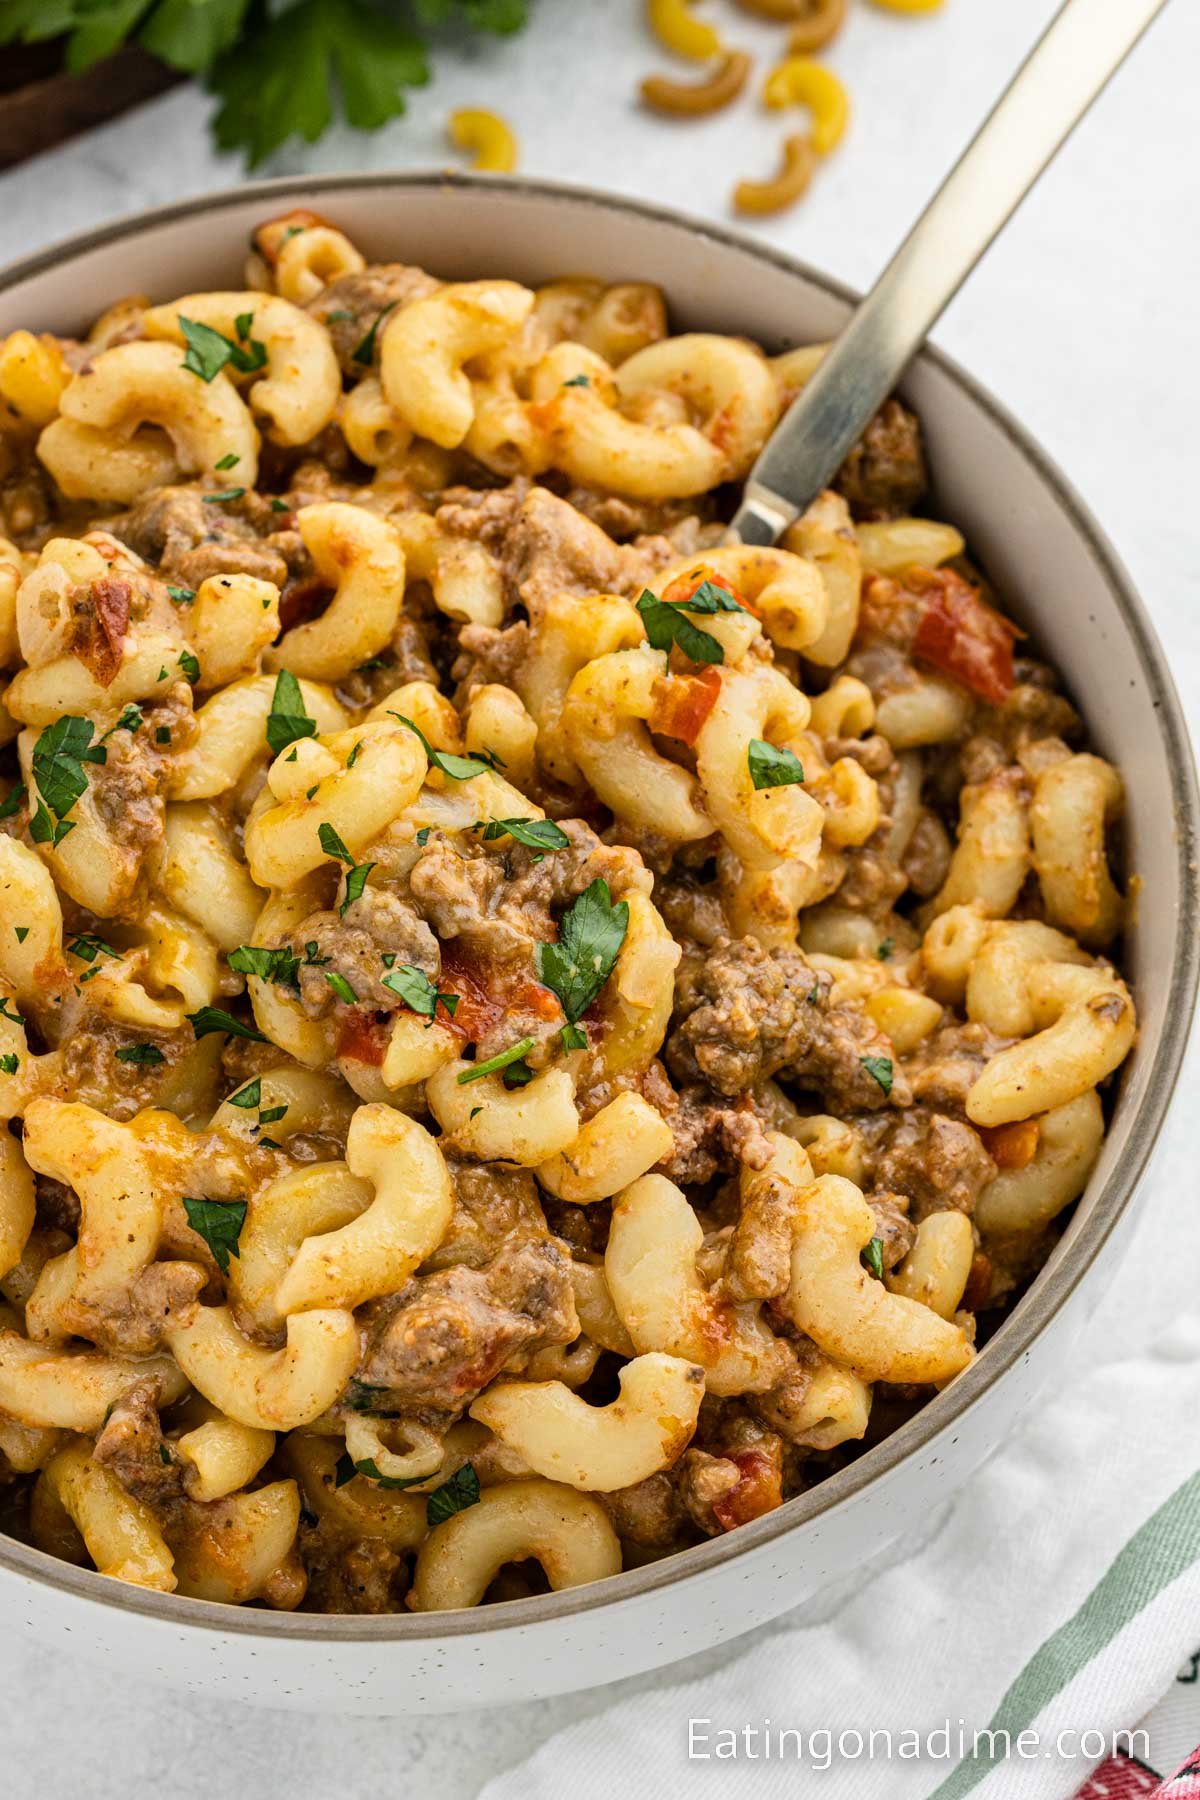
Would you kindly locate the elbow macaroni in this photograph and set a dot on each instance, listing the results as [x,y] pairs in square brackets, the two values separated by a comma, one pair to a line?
[483,970]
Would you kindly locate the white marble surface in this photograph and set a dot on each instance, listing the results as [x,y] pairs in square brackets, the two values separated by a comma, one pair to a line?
[1082,320]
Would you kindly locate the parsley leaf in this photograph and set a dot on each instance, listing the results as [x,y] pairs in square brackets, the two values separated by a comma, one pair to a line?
[12,800]
[872,1258]
[287,720]
[332,844]
[141,1056]
[885,950]
[880,1070]
[360,1397]
[513,1054]
[341,987]
[208,351]
[16,1017]
[228,461]
[219,1223]
[180,595]
[416,990]
[454,1496]
[536,834]
[364,350]
[278,82]
[58,759]
[270,1115]
[249,1096]
[215,1018]
[356,881]
[459,768]
[589,942]
[8,1063]
[129,720]
[21,932]
[574,1037]
[87,948]
[279,964]
[666,622]
[189,665]
[578,381]
[345,1470]
[771,767]
[224,494]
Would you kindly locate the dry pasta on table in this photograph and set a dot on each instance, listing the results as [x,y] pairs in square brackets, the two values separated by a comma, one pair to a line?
[529,1035]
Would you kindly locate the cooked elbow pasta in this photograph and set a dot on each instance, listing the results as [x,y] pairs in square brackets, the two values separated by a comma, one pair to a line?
[508,1002]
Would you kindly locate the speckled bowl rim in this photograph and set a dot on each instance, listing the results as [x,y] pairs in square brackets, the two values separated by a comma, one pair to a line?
[1035,1311]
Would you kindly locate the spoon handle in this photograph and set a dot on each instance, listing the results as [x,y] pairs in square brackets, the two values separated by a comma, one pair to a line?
[1084,44]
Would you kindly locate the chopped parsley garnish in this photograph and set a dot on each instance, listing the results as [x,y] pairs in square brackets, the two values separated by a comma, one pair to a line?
[354,755]
[360,1397]
[215,1018]
[228,461]
[417,991]
[219,1223]
[14,1016]
[364,350]
[356,881]
[249,1096]
[280,506]
[21,932]
[459,768]
[884,952]
[58,759]
[589,942]
[578,381]
[87,948]
[208,351]
[771,767]
[341,987]
[189,665]
[332,844]
[180,595]
[287,720]
[373,662]
[234,493]
[337,315]
[872,1258]
[879,1068]
[574,1037]
[8,1064]
[12,800]
[535,834]
[279,964]
[129,720]
[142,1056]
[162,734]
[345,1470]
[666,622]
[513,1054]
[517,1074]
[423,835]
[454,1495]
[270,1115]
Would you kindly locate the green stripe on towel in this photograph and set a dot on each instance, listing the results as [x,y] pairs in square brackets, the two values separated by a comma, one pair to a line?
[1157,1554]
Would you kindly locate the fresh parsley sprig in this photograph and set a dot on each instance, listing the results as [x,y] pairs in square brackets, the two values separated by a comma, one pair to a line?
[459,768]
[417,991]
[590,936]
[667,624]
[287,720]
[59,775]
[208,352]
[219,1223]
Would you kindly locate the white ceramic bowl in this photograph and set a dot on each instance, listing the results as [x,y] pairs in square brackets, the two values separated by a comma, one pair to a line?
[1060,578]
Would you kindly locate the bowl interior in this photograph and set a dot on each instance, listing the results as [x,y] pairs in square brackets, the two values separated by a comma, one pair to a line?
[1051,565]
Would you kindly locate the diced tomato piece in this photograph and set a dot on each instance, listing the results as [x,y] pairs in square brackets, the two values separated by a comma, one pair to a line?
[1011,1146]
[961,635]
[759,1490]
[486,992]
[682,703]
[362,1037]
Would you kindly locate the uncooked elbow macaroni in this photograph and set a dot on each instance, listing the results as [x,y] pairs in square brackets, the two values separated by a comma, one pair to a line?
[507,1000]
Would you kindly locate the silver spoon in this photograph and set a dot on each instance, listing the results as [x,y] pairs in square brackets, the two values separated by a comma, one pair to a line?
[1082,47]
